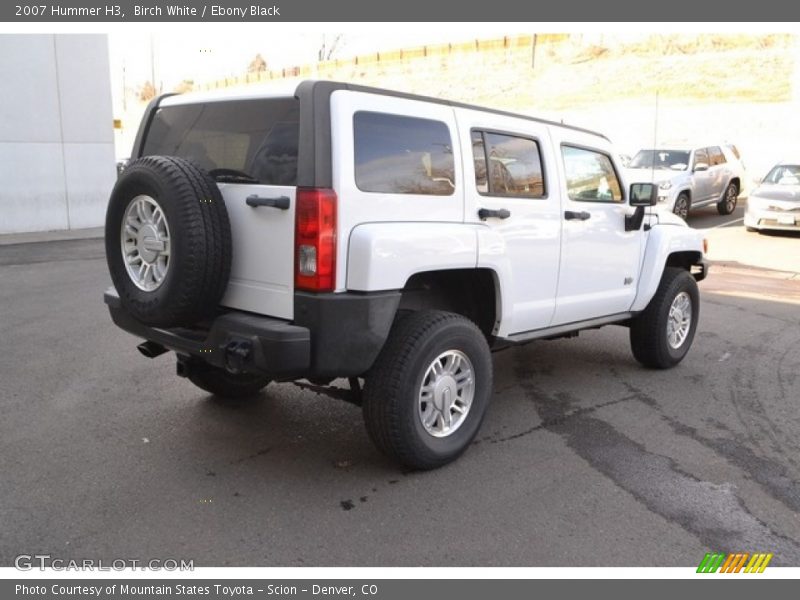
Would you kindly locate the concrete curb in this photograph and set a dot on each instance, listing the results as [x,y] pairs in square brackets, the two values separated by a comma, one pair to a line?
[8,239]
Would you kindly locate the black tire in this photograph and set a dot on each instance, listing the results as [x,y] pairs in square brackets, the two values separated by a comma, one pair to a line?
[648,331]
[751,229]
[200,240]
[682,206]
[728,203]
[391,392]
[224,384]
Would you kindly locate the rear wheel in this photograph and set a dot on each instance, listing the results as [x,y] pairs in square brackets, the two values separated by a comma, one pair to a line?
[681,207]
[662,334]
[426,395]
[223,383]
[728,203]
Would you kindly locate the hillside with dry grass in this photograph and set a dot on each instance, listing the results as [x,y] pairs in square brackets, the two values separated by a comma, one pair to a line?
[573,71]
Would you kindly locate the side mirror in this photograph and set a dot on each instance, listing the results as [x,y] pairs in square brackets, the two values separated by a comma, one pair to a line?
[701,167]
[643,194]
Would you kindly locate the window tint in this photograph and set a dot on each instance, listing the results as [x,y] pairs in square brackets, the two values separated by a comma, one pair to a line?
[590,176]
[716,156]
[402,155]
[255,138]
[507,165]
[700,156]
[677,160]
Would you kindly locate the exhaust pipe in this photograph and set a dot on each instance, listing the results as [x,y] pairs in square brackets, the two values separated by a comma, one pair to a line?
[151,349]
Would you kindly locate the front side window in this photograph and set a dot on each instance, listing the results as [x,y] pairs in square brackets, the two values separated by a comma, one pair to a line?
[590,176]
[395,154]
[700,156]
[507,165]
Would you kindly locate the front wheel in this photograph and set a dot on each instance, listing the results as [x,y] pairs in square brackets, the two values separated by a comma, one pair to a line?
[662,334]
[728,203]
[426,395]
[681,207]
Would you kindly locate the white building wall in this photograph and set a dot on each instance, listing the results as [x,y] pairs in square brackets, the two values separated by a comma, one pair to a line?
[56,132]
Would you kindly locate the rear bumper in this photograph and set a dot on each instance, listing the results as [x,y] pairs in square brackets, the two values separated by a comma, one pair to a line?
[333,335]
[235,340]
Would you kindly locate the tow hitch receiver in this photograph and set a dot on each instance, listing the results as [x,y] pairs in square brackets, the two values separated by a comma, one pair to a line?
[237,355]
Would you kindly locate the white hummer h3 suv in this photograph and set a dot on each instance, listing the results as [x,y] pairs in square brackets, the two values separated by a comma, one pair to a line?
[338,231]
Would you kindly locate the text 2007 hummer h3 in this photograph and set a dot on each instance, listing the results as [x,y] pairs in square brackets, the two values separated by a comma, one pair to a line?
[336,231]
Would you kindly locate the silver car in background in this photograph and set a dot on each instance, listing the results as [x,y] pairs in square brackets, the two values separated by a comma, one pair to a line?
[775,203]
[691,176]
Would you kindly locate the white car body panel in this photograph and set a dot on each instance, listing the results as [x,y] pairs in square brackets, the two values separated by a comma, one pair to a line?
[383,256]
[667,236]
[260,282]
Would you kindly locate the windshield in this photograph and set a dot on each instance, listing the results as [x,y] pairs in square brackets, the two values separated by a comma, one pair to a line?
[660,159]
[784,175]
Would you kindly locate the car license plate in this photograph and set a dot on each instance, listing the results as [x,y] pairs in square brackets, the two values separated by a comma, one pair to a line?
[786,219]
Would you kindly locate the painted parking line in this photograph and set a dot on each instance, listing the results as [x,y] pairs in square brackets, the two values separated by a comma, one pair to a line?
[726,224]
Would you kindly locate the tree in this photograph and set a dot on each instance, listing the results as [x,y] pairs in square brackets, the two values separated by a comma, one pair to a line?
[187,85]
[257,65]
[147,91]
[328,47]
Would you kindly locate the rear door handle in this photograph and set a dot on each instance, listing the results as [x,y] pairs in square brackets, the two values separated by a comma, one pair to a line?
[500,213]
[571,215]
[281,202]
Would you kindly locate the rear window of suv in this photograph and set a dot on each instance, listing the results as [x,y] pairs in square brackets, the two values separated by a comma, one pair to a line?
[236,141]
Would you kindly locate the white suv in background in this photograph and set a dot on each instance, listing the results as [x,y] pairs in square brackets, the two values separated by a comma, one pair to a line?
[691,176]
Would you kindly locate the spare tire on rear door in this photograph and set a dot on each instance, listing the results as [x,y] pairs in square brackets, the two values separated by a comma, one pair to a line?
[168,241]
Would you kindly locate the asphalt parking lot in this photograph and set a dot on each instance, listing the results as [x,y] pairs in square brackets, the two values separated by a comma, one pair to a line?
[585,459]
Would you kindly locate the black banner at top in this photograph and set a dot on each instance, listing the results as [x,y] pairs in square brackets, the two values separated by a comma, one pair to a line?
[110,11]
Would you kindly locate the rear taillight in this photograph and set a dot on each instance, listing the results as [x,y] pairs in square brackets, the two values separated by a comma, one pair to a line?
[315,240]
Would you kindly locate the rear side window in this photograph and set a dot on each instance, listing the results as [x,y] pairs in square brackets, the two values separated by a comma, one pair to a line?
[507,165]
[251,139]
[590,176]
[402,155]
[716,156]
